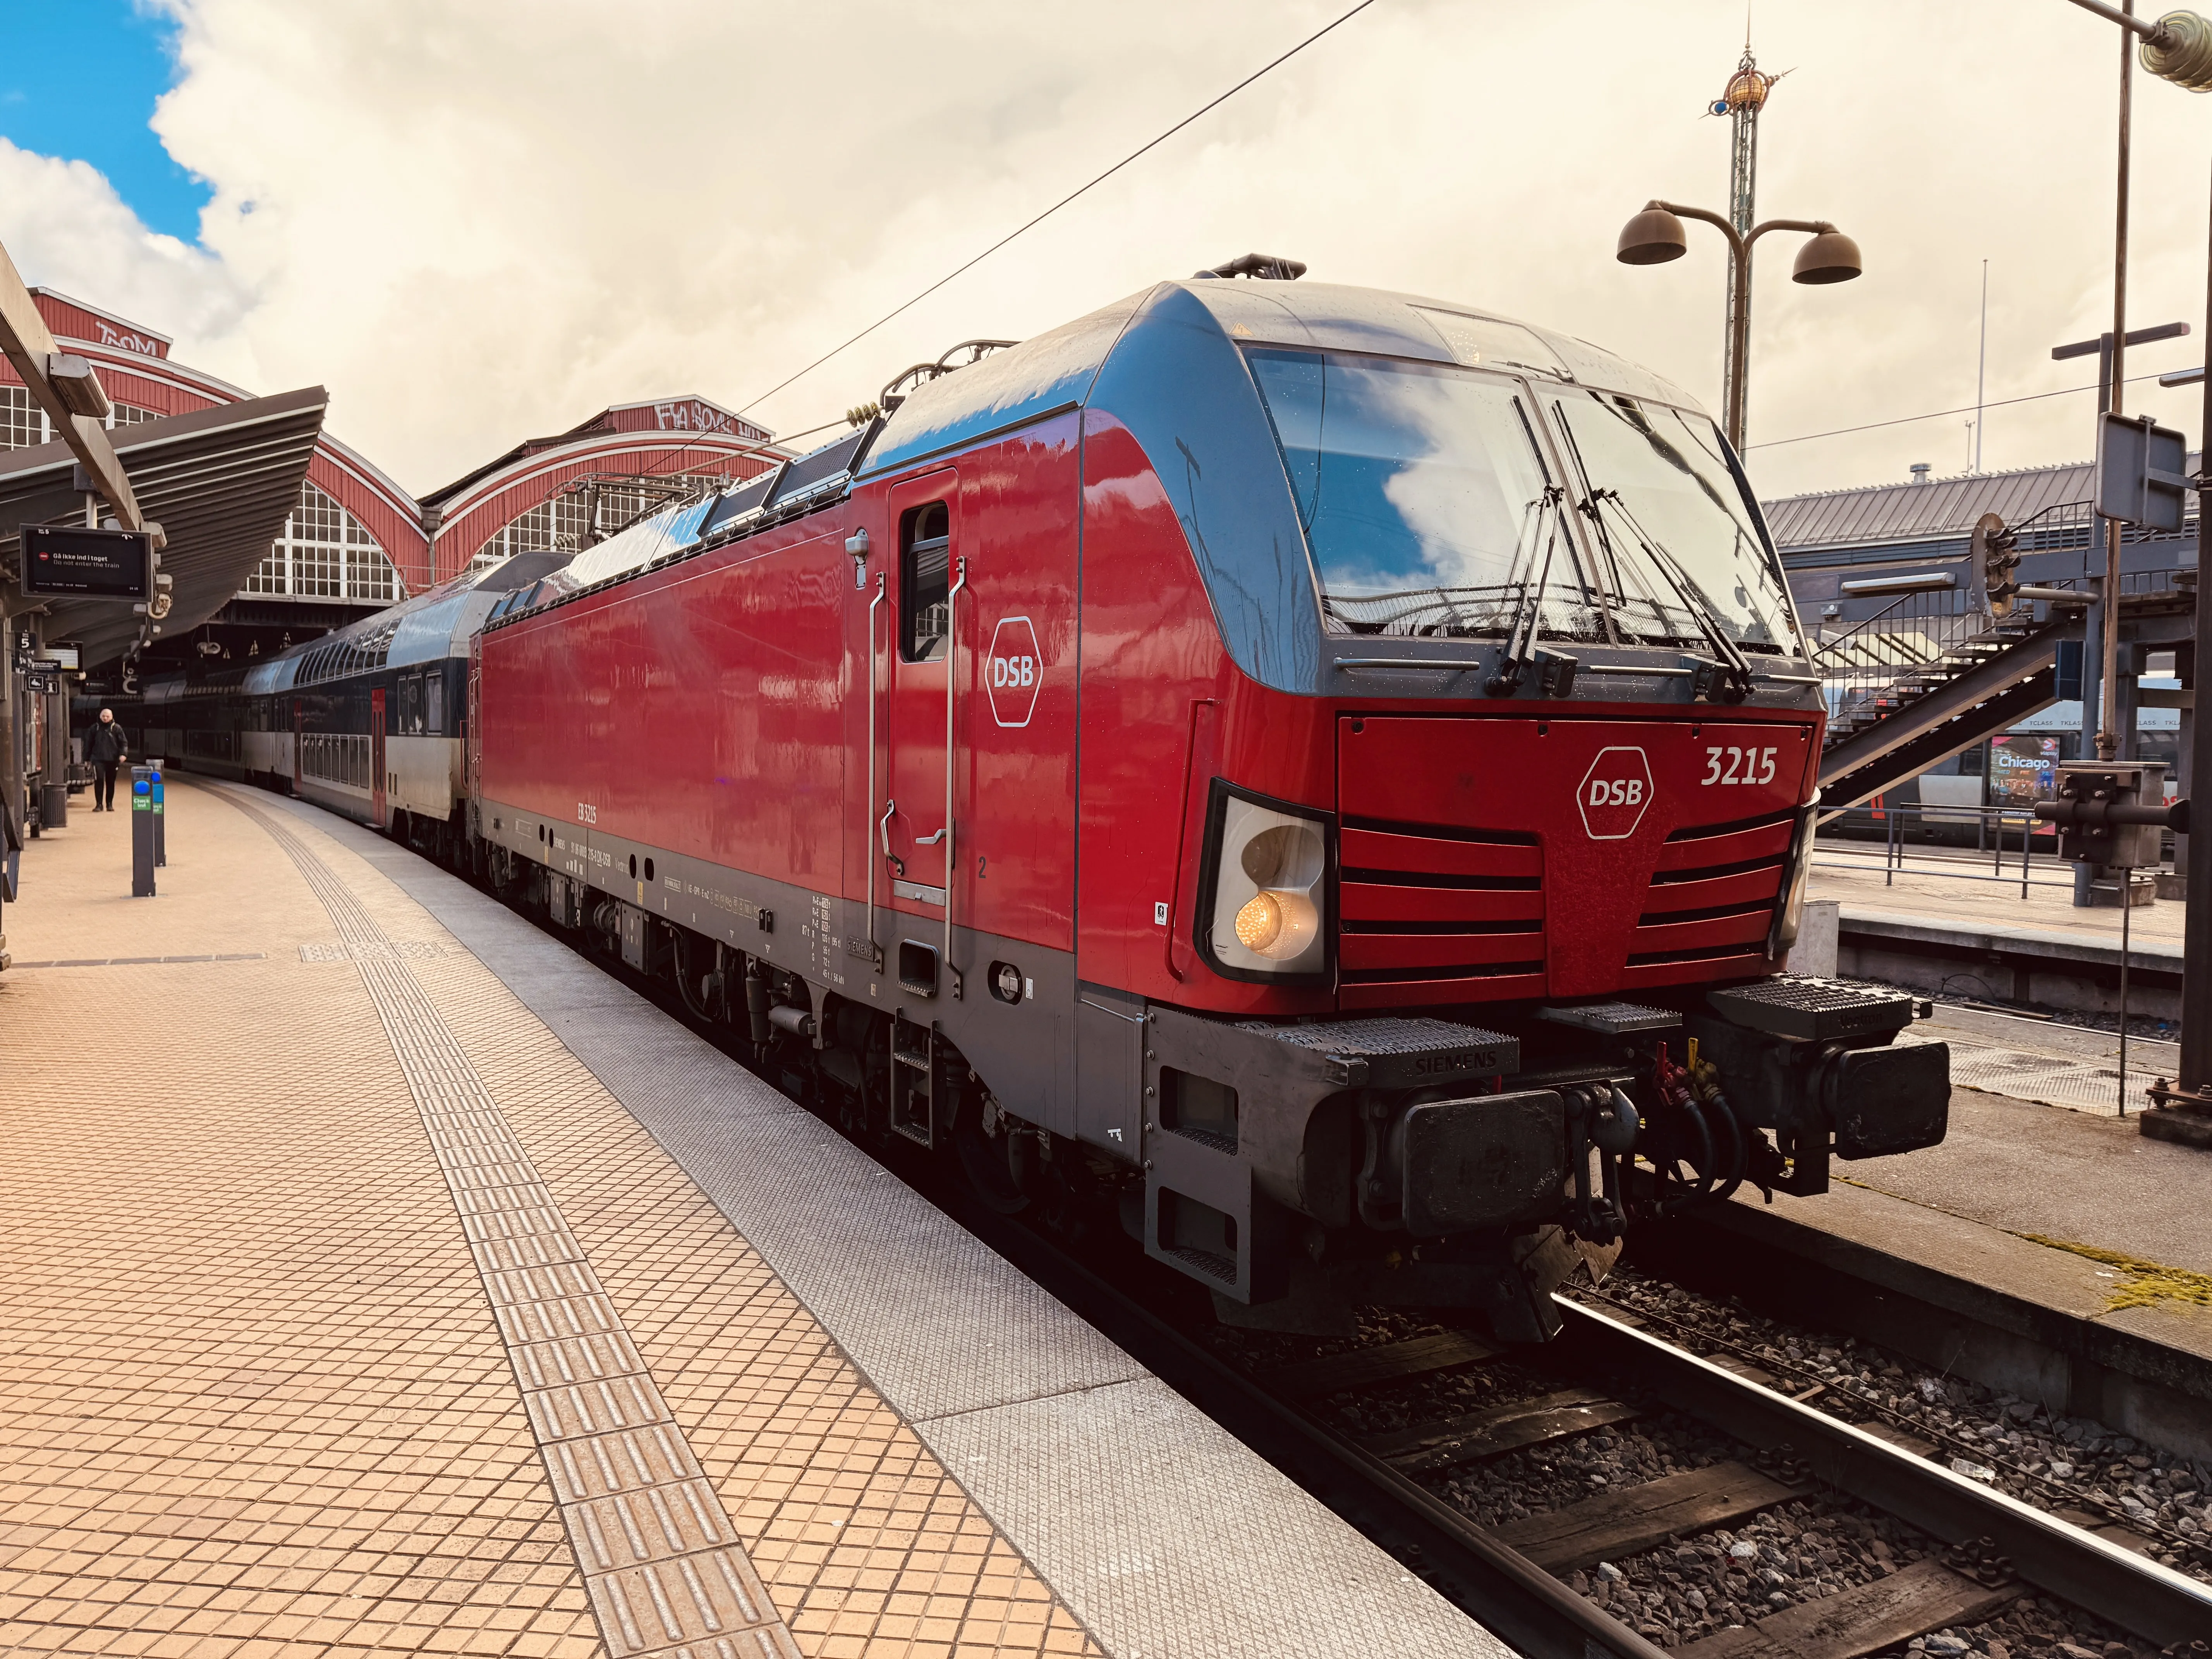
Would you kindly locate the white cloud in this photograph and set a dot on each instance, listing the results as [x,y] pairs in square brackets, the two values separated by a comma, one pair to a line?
[68,229]
[478,222]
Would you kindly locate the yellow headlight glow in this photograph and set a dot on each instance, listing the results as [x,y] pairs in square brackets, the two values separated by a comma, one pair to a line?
[1260,923]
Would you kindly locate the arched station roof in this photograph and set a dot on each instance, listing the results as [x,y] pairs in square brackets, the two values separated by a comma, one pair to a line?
[138,374]
[663,438]
[431,538]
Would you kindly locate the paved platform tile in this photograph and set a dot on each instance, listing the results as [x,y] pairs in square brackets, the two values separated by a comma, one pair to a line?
[352,1315]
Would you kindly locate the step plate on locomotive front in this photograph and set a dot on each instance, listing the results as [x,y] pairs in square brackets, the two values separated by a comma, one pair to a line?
[1400,1054]
[1814,1009]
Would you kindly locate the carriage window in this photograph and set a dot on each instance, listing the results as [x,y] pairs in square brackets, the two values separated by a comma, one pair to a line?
[925,564]
[433,706]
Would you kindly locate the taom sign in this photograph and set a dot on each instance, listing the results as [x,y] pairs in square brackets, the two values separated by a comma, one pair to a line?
[1012,671]
[1615,794]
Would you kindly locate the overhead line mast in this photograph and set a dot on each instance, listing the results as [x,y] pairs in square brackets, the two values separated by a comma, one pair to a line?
[1741,100]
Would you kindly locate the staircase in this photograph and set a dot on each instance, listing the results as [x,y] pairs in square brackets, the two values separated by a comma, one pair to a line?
[1926,676]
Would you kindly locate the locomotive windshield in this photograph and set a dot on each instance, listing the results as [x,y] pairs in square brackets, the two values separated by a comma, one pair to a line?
[1431,510]
[1672,525]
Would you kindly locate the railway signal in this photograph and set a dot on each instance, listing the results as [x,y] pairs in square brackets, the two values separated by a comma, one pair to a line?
[1996,565]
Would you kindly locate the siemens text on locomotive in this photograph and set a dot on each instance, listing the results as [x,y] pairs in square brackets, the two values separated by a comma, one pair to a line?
[1319,777]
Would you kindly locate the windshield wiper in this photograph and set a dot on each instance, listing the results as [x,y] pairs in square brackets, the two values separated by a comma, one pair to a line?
[1521,653]
[1734,666]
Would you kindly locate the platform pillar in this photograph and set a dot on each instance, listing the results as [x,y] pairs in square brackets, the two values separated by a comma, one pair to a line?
[143,820]
[54,792]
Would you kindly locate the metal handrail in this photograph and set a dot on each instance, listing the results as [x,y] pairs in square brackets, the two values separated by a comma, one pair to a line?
[951,684]
[1878,658]
[1893,845]
[875,950]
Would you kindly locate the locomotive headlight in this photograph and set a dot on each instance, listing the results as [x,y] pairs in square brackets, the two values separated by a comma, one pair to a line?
[1267,869]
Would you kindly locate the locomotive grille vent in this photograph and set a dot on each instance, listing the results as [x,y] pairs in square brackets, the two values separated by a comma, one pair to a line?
[1713,896]
[1435,903]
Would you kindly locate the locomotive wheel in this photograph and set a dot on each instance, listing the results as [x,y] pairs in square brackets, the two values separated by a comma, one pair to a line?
[986,1159]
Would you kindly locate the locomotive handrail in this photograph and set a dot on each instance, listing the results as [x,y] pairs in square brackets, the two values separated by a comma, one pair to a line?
[951,684]
[875,950]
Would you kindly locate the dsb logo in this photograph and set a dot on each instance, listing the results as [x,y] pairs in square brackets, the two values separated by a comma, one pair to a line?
[1012,671]
[1615,794]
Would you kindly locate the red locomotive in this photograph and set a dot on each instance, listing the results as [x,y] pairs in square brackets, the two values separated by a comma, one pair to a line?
[1323,773]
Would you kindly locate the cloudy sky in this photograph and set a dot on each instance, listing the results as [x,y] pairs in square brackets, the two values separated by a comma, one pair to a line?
[479,220]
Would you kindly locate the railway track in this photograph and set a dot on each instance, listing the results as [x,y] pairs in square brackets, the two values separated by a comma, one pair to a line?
[1987,1549]
[1610,1370]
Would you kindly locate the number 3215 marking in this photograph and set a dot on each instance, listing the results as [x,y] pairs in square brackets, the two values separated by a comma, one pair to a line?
[1744,765]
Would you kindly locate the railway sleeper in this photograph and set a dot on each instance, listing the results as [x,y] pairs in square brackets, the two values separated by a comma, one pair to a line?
[1928,1596]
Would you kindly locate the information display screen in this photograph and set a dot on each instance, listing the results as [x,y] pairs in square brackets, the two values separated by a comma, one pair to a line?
[75,562]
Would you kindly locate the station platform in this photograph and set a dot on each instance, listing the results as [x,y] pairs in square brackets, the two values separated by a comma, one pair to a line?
[2046,1248]
[381,1276]
[1941,923]
[1956,889]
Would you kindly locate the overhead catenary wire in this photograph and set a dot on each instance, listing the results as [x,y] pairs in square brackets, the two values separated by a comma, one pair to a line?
[1932,415]
[1152,144]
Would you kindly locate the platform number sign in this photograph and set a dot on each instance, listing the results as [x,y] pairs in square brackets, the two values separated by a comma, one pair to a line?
[1615,794]
[1012,670]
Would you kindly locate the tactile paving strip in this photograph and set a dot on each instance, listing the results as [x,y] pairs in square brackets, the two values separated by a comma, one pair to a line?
[660,1558]
[412,949]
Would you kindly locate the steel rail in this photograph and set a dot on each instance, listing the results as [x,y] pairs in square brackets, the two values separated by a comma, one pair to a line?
[1521,1603]
[2078,1566]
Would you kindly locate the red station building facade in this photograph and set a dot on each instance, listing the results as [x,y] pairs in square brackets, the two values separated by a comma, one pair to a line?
[356,540]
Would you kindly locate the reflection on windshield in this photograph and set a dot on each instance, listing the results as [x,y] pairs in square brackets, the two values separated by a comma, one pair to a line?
[1419,489]
[1675,535]
[1430,511]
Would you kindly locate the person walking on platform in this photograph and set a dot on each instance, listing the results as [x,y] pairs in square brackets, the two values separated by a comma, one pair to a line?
[105,748]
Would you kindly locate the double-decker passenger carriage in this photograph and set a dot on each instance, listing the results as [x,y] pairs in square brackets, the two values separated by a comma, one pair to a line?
[1324,775]
[365,721]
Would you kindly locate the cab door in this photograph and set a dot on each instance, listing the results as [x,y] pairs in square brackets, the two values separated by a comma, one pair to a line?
[472,720]
[911,832]
[377,801]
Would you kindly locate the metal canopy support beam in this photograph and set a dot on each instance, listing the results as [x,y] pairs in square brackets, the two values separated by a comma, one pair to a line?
[29,345]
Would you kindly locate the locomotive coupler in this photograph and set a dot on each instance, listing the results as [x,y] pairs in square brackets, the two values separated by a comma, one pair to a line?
[1814,1060]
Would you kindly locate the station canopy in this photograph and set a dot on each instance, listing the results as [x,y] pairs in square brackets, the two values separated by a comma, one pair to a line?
[218,481]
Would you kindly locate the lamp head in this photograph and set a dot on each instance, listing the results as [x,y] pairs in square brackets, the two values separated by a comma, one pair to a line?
[1830,256]
[1651,238]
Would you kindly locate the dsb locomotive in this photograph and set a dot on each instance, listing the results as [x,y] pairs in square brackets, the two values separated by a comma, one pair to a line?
[1320,777]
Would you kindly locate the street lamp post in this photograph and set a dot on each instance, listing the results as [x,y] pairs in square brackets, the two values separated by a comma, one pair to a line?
[1656,235]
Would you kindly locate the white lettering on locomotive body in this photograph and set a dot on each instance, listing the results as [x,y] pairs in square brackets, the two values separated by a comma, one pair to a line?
[1013,671]
[1614,793]
[1735,764]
